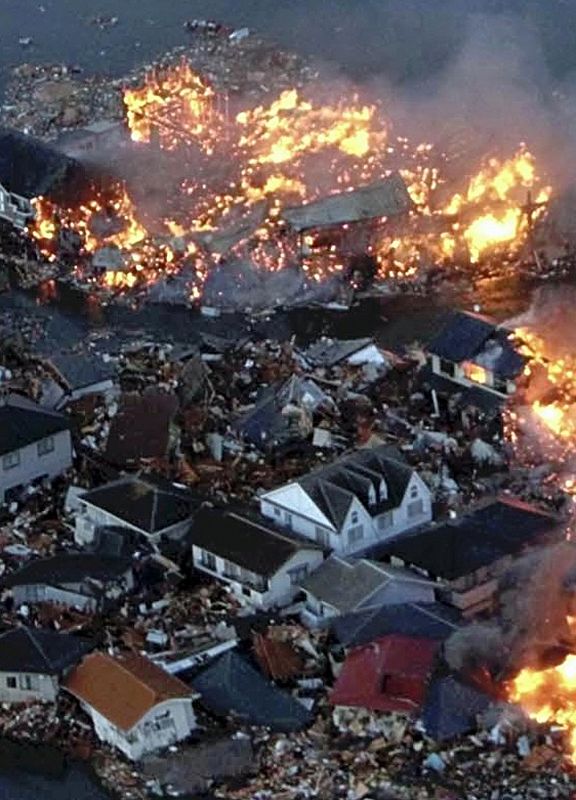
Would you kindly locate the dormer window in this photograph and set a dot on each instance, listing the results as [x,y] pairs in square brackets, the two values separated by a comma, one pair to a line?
[372,499]
[383,490]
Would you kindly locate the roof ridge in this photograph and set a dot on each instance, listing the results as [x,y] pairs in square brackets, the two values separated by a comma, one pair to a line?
[433,616]
[123,667]
[37,645]
[271,531]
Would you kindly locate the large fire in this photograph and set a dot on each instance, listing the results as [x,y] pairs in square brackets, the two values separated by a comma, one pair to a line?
[549,696]
[288,152]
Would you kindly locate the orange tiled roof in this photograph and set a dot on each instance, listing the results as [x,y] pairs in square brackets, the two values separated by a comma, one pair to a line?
[123,688]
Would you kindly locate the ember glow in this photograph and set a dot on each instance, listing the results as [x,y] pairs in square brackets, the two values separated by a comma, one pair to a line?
[288,152]
[549,696]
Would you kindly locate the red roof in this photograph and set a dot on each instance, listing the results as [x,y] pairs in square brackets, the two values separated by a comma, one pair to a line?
[389,674]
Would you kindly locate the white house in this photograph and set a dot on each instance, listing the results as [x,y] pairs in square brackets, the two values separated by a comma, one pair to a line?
[14,208]
[341,586]
[35,444]
[148,505]
[263,567]
[134,705]
[354,504]
[473,352]
[33,661]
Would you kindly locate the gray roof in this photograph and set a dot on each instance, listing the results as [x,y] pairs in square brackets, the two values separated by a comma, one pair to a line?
[41,652]
[328,352]
[345,584]
[79,370]
[386,198]
[333,488]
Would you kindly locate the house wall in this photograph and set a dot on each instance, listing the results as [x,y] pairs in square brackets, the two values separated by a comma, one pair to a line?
[345,542]
[33,466]
[70,595]
[279,590]
[146,736]
[43,688]
[459,377]
[90,517]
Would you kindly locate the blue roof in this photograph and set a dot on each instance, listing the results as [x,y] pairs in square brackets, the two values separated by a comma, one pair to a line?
[467,337]
[232,685]
[451,708]
[424,620]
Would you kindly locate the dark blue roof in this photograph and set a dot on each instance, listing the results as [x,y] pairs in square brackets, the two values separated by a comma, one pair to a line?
[424,620]
[467,337]
[451,708]
[458,548]
[232,685]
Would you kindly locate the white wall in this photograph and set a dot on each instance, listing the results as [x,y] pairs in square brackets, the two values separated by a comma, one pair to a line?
[139,740]
[459,377]
[33,466]
[279,592]
[70,595]
[94,517]
[45,688]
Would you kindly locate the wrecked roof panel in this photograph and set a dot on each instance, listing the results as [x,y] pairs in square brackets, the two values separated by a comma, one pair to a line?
[387,198]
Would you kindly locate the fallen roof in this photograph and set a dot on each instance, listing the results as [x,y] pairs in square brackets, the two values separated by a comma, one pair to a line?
[67,568]
[328,352]
[344,584]
[255,546]
[386,198]
[458,548]
[80,370]
[277,658]
[148,503]
[22,422]
[451,708]
[232,686]
[389,674]
[141,429]
[38,651]
[424,620]
[472,337]
[123,688]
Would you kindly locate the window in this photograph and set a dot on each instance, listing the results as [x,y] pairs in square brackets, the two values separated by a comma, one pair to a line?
[246,591]
[385,520]
[356,534]
[277,512]
[46,446]
[447,367]
[298,574]
[11,460]
[208,560]
[415,509]
[288,519]
[232,570]
[413,492]
[11,682]
[322,537]
[354,518]
[500,384]
[28,682]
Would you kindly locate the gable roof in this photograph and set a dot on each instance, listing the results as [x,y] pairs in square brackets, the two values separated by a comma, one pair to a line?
[80,370]
[38,651]
[424,620]
[334,488]
[450,551]
[148,503]
[123,688]
[249,543]
[345,584]
[472,337]
[141,427]
[389,674]
[451,708]
[386,198]
[232,685]
[67,568]
[22,422]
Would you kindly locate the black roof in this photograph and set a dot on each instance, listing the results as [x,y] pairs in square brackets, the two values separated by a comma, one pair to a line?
[149,503]
[40,651]
[31,168]
[423,620]
[451,708]
[67,568]
[471,337]
[249,543]
[333,488]
[22,422]
[458,548]
[80,370]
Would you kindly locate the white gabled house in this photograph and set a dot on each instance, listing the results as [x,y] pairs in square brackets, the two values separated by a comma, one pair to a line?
[355,503]
[262,566]
[134,705]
